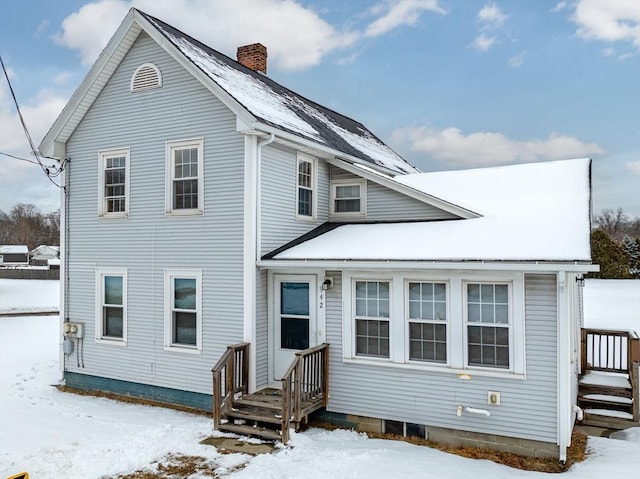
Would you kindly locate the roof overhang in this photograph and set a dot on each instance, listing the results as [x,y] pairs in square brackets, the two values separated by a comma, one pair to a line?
[522,266]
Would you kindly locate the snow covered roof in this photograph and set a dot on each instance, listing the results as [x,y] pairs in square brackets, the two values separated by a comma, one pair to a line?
[530,212]
[14,249]
[277,106]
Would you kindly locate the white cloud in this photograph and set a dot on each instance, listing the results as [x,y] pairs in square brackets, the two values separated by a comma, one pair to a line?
[608,52]
[226,25]
[402,12]
[560,6]
[485,148]
[633,166]
[517,61]
[610,21]
[483,42]
[44,24]
[491,15]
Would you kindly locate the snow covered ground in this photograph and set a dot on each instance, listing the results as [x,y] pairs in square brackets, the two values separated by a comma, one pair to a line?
[32,295]
[54,435]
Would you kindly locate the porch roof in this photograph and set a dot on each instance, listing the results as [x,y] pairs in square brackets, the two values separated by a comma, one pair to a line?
[532,212]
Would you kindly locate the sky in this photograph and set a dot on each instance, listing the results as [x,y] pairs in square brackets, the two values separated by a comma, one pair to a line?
[448,84]
[51,434]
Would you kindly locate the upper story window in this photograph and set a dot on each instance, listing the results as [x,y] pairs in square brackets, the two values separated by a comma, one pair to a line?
[111,305]
[348,197]
[184,177]
[146,77]
[113,177]
[306,180]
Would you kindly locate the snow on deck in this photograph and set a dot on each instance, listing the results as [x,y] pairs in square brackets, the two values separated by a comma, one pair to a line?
[598,378]
[537,211]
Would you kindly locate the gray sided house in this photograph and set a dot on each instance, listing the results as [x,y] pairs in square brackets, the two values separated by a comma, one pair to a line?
[208,206]
[14,255]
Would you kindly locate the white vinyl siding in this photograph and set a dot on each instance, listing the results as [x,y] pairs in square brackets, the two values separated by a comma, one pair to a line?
[213,243]
[429,394]
[184,177]
[113,178]
[111,305]
[183,310]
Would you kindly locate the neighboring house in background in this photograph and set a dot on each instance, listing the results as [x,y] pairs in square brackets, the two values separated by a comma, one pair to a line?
[208,205]
[14,255]
[42,254]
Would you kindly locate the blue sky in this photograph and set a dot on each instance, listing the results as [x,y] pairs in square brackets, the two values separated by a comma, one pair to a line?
[449,84]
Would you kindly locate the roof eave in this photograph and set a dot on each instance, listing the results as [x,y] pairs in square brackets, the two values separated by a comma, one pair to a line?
[497,265]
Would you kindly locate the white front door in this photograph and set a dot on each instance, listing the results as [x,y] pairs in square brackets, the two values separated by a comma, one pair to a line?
[294,325]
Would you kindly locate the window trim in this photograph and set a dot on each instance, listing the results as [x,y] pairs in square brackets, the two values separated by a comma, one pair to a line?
[170,147]
[101,273]
[300,157]
[362,183]
[169,276]
[456,331]
[103,155]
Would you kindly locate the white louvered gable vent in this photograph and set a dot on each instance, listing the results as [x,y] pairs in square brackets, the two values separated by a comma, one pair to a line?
[146,77]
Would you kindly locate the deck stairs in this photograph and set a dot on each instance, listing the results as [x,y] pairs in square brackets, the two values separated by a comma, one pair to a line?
[608,390]
[269,413]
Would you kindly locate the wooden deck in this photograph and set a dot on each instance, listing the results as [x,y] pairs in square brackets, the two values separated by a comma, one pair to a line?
[609,388]
[270,412]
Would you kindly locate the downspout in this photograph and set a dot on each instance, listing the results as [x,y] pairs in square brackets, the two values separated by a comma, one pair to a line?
[564,408]
[261,144]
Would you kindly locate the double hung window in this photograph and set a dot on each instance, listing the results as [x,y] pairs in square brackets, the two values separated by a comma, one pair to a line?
[184,177]
[114,183]
[305,186]
[183,320]
[372,318]
[427,321]
[348,197]
[111,307]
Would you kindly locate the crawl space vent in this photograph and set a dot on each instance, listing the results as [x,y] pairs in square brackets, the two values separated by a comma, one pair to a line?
[146,77]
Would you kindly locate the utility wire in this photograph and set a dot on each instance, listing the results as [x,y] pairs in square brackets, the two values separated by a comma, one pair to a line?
[47,170]
[18,158]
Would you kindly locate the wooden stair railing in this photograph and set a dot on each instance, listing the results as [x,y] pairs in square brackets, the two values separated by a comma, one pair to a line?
[612,351]
[230,377]
[305,387]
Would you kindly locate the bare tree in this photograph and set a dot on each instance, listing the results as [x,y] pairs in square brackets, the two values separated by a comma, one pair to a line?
[612,222]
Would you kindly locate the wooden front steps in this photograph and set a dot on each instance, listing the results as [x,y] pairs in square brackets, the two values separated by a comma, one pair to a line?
[268,413]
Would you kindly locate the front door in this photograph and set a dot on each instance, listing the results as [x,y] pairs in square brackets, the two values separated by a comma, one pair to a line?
[294,325]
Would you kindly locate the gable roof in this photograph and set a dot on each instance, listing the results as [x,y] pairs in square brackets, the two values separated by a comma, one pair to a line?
[263,104]
[531,212]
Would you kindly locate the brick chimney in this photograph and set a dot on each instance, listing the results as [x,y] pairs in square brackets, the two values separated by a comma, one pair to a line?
[253,56]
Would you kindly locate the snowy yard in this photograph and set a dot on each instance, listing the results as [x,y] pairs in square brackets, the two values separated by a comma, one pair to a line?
[53,435]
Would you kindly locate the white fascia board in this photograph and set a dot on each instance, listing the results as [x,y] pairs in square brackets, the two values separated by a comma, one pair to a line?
[238,109]
[406,190]
[538,267]
[94,81]
[316,148]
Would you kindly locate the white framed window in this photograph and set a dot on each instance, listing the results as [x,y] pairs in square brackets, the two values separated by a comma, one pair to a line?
[349,197]
[111,305]
[427,321]
[372,306]
[113,178]
[183,310]
[460,321]
[185,185]
[305,186]
[488,324]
